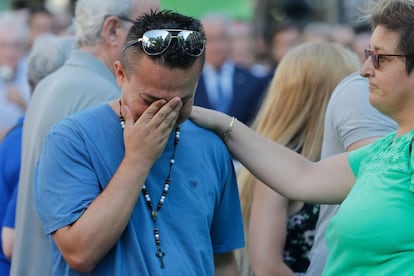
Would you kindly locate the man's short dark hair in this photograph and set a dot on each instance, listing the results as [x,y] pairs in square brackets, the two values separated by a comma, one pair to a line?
[174,56]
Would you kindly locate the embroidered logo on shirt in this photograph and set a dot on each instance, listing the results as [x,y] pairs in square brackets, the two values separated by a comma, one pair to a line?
[193,183]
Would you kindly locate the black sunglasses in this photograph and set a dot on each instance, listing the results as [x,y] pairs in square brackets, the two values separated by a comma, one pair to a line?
[376,57]
[156,42]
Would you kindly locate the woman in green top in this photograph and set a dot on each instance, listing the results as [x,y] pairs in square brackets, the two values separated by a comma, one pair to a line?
[373,231]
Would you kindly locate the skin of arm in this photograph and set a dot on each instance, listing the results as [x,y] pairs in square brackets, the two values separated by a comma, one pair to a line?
[282,169]
[267,232]
[84,243]
[7,239]
[225,264]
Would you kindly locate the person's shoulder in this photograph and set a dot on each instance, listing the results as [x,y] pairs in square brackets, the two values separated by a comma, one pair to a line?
[200,133]
[45,82]
[240,70]
[190,126]
[53,82]
[85,119]
[16,128]
[353,82]
[203,142]
[74,85]
[376,146]
[351,89]
[10,146]
[92,112]
[12,139]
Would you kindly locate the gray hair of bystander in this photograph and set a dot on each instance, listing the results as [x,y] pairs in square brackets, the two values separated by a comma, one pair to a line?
[48,53]
[90,16]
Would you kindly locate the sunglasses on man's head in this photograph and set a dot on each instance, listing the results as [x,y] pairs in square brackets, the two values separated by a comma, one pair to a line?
[156,42]
[376,57]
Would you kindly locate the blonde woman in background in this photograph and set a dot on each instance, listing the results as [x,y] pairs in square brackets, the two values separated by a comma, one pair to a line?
[280,231]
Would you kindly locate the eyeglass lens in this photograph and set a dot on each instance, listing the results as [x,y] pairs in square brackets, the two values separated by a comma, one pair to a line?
[191,42]
[374,57]
[155,42]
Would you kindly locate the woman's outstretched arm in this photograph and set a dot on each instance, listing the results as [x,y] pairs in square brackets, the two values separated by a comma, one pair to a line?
[280,168]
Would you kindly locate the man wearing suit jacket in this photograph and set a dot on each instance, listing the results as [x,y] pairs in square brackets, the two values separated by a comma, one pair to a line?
[223,85]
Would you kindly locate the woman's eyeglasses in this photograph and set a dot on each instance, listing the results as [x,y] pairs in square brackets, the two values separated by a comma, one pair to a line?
[376,57]
[156,42]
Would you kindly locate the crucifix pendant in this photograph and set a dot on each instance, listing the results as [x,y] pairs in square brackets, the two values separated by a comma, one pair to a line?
[160,255]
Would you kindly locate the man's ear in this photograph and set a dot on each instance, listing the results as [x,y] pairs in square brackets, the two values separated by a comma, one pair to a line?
[111,30]
[120,73]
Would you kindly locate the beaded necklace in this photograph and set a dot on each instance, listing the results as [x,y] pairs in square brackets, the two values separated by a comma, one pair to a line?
[154,212]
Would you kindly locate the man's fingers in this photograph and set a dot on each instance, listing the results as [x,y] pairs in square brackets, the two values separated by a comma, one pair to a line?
[153,109]
[160,111]
[127,115]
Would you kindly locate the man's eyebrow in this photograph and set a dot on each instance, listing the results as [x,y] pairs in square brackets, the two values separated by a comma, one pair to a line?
[151,97]
[155,98]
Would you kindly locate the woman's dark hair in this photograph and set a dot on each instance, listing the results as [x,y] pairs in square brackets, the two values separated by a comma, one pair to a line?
[398,16]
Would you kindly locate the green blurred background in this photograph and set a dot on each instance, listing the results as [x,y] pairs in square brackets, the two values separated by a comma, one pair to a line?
[239,9]
[257,10]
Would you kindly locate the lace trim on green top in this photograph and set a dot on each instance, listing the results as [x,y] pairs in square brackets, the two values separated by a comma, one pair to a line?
[393,153]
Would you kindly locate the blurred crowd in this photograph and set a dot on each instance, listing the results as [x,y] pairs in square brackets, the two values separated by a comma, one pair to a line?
[18,31]
[240,78]
[230,41]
